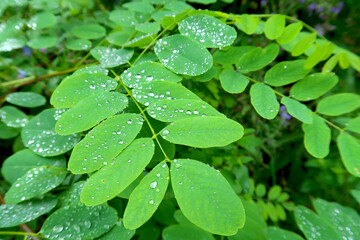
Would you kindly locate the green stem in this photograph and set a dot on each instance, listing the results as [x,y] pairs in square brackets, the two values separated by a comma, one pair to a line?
[20,233]
[143,114]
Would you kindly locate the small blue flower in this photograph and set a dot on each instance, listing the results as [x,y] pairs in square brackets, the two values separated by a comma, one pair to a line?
[27,51]
[285,117]
[338,8]
[21,73]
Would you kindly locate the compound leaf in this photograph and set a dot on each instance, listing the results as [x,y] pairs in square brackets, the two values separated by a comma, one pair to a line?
[197,188]
[249,23]
[290,32]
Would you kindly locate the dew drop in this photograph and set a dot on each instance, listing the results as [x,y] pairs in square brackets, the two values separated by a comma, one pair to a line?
[153,184]
[57,228]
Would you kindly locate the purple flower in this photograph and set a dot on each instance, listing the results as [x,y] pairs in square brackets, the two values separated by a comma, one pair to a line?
[263,2]
[26,51]
[285,117]
[302,1]
[43,50]
[338,8]
[313,6]
[21,73]
[320,29]
[320,9]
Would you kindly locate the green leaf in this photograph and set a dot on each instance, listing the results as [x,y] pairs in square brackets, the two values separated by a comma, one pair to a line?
[123,17]
[198,188]
[121,37]
[298,110]
[84,84]
[142,7]
[330,64]
[275,233]
[78,44]
[13,117]
[183,55]
[202,1]
[129,189]
[10,44]
[80,221]
[249,23]
[93,69]
[313,86]
[356,194]
[321,53]
[149,27]
[290,32]
[260,190]
[189,232]
[173,110]
[45,41]
[338,104]
[158,90]
[104,142]
[35,182]
[280,212]
[39,135]
[232,81]
[230,55]
[286,72]
[8,132]
[317,137]
[311,224]
[257,58]
[114,177]
[274,26]
[349,148]
[354,125]
[18,164]
[272,212]
[274,192]
[337,216]
[264,100]
[146,72]
[26,99]
[90,111]
[140,40]
[344,61]
[208,31]
[111,57]
[203,132]
[303,45]
[42,20]
[12,215]
[88,31]
[118,232]
[146,197]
